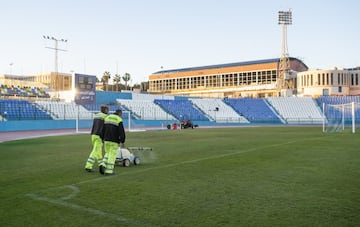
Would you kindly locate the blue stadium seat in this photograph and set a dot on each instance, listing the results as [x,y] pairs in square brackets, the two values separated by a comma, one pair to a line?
[23,91]
[181,109]
[22,110]
[256,110]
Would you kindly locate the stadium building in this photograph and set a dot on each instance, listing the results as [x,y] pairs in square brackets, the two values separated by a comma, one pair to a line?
[331,82]
[239,93]
[242,79]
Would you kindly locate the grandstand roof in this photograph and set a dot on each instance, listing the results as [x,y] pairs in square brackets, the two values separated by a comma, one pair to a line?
[255,62]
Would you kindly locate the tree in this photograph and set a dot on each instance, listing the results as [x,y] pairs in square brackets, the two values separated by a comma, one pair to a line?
[105,80]
[126,78]
[117,80]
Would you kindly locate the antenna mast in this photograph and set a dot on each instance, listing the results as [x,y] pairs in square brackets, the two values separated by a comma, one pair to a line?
[55,85]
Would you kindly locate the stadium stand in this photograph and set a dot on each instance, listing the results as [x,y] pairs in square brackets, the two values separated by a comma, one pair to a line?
[12,110]
[154,110]
[255,110]
[145,109]
[138,96]
[95,108]
[182,109]
[337,100]
[218,111]
[64,111]
[23,91]
[297,110]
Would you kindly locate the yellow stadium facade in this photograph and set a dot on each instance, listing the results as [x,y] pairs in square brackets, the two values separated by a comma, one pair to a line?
[330,82]
[242,79]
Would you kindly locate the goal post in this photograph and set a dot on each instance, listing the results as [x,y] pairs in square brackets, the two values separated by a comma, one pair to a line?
[127,115]
[340,117]
[129,122]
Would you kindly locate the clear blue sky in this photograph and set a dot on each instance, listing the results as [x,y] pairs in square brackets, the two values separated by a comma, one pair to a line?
[141,36]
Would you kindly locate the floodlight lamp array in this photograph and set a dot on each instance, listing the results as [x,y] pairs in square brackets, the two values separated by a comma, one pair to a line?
[285,17]
[55,39]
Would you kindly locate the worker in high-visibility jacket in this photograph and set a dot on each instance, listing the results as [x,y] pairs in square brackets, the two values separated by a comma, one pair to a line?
[97,135]
[113,137]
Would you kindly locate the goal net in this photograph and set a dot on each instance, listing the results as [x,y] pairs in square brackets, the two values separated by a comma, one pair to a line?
[130,124]
[341,117]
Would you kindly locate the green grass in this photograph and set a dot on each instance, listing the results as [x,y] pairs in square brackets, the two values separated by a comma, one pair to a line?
[251,176]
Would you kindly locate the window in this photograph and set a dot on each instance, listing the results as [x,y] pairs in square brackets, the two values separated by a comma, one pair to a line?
[236,79]
[325,92]
[332,79]
[327,78]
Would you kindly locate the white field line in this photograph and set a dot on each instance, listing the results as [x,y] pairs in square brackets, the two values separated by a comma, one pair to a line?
[119,218]
[75,190]
[77,207]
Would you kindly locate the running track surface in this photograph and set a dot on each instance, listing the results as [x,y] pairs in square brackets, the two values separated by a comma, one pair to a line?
[18,135]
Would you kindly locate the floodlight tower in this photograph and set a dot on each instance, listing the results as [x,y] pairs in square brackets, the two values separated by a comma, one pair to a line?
[56,41]
[285,19]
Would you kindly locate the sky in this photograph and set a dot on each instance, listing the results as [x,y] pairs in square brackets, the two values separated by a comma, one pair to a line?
[141,37]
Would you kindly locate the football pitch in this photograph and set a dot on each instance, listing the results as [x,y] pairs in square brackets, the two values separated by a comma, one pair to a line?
[246,176]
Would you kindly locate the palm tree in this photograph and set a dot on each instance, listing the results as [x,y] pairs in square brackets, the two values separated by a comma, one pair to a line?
[117,80]
[105,79]
[126,78]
